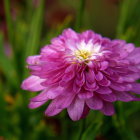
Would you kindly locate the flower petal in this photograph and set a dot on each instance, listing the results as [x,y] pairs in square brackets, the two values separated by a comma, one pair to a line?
[94,103]
[54,92]
[33,105]
[52,110]
[32,83]
[64,101]
[70,68]
[108,97]
[76,88]
[32,60]
[118,87]
[75,110]
[104,90]
[90,76]
[85,95]
[124,96]
[70,34]
[134,56]
[99,76]
[136,88]
[108,109]
[104,82]
[40,97]
[104,65]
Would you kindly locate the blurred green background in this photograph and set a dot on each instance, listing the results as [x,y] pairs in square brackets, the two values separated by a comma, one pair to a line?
[27,25]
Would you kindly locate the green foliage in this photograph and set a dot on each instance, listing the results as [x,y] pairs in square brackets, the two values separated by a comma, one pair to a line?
[129,21]
[93,129]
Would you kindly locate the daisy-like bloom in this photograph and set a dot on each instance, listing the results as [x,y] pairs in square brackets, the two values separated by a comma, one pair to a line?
[83,71]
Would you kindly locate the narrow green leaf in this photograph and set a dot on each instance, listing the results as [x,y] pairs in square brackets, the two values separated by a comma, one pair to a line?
[80,13]
[35,30]
[129,21]
[6,66]
[91,131]
[120,123]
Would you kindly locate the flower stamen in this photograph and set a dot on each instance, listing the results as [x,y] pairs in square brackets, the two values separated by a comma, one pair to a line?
[82,54]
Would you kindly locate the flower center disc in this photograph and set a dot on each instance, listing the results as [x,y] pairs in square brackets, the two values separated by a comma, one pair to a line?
[82,54]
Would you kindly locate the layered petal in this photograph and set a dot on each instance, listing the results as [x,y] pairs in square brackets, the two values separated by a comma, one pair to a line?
[32,83]
[124,96]
[33,105]
[108,109]
[136,88]
[76,109]
[94,103]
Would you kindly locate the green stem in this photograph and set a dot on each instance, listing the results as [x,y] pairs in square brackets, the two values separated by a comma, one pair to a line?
[80,14]
[10,28]
[83,125]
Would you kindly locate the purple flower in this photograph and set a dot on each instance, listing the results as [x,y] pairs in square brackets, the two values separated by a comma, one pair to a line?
[83,71]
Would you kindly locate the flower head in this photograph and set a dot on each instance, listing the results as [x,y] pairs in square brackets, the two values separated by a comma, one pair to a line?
[83,71]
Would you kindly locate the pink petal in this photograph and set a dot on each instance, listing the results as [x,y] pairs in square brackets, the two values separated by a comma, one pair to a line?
[124,96]
[134,56]
[80,79]
[90,85]
[70,68]
[85,95]
[52,110]
[32,83]
[48,51]
[33,105]
[109,97]
[35,68]
[129,47]
[104,65]
[108,109]
[59,43]
[32,60]
[63,101]
[104,90]
[76,88]
[40,97]
[75,110]
[118,87]
[70,34]
[136,88]
[88,34]
[104,82]
[68,76]
[54,92]
[90,76]
[99,76]
[94,103]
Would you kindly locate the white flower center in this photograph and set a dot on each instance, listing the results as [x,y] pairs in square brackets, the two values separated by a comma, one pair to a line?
[87,51]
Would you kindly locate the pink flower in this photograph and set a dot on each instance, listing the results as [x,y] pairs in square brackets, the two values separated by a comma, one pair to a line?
[83,71]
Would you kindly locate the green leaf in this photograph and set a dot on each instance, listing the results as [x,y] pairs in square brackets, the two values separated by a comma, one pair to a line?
[129,21]
[35,30]
[92,130]
[58,30]
[7,66]
[120,123]
[80,13]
